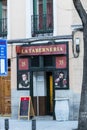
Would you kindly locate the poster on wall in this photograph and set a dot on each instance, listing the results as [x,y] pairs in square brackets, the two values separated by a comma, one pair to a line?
[23,64]
[23,80]
[61,62]
[60,79]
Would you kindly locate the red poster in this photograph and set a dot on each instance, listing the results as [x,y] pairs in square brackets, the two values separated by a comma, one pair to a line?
[25,98]
[61,62]
[23,64]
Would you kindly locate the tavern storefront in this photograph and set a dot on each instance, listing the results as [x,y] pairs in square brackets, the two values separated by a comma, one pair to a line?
[42,69]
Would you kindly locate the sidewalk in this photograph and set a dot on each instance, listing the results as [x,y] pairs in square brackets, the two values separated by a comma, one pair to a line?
[23,124]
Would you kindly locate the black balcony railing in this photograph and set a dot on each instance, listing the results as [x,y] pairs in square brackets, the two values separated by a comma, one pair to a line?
[3,27]
[42,24]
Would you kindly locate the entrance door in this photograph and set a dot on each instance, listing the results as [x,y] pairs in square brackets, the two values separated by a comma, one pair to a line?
[43,93]
[49,79]
[5,95]
[39,93]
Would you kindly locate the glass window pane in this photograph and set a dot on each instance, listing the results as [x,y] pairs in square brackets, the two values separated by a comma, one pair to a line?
[48,61]
[35,61]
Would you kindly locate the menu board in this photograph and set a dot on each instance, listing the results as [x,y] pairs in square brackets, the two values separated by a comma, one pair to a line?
[24,106]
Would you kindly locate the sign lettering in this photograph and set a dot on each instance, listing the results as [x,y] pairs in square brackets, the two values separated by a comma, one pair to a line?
[42,50]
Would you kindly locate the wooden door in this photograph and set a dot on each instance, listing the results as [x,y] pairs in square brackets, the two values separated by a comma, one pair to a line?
[5,95]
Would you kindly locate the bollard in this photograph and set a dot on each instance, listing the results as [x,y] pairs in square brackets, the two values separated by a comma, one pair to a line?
[6,124]
[33,124]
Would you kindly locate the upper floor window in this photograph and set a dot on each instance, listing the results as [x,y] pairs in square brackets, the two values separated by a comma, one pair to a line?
[42,18]
[3,18]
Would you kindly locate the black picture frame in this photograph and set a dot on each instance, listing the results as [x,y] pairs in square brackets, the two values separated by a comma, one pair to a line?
[61,79]
[23,80]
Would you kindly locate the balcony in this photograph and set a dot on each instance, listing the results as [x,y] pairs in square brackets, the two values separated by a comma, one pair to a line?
[3,27]
[42,24]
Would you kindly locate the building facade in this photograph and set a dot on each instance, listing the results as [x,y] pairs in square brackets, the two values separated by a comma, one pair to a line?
[40,36]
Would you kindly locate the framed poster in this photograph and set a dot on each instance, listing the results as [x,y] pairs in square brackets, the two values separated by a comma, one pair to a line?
[23,64]
[60,79]
[23,80]
[61,62]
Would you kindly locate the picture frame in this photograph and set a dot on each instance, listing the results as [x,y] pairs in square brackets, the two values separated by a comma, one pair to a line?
[23,80]
[61,79]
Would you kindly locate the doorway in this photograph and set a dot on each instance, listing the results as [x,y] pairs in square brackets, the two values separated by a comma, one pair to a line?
[49,82]
[39,93]
[5,95]
[43,93]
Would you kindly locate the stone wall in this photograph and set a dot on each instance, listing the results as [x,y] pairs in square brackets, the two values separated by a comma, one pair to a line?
[15,100]
[74,101]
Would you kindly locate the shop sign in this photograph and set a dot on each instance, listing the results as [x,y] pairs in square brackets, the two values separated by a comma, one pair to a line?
[42,50]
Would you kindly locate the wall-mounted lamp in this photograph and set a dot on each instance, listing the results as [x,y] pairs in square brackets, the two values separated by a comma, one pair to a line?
[75,45]
[77,42]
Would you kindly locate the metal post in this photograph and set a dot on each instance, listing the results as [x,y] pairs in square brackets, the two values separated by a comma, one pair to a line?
[6,124]
[37,97]
[33,124]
